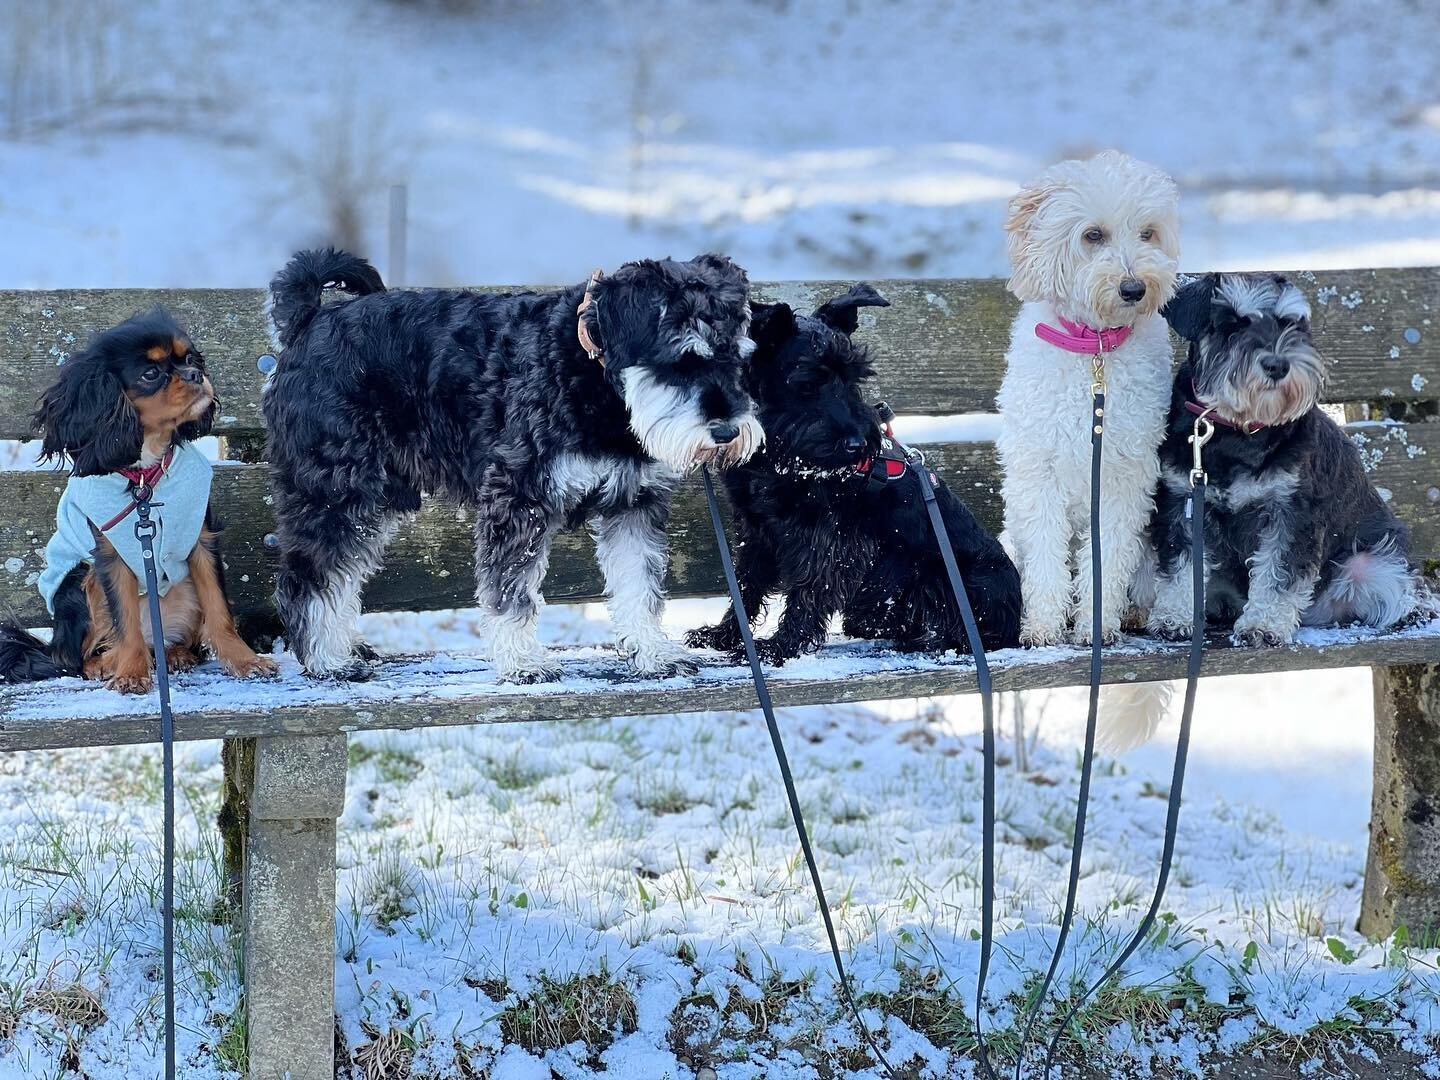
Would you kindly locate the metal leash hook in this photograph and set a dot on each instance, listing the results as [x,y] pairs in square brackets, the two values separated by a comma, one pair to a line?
[145,530]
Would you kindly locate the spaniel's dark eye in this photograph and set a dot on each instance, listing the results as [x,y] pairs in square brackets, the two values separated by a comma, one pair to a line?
[152,375]
[1094,236]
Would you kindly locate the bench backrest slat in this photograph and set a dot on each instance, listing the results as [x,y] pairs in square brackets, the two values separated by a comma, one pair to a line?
[430,563]
[939,348]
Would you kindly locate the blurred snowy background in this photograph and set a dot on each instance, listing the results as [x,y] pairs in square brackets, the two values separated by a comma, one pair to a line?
[169,143]
[630,884]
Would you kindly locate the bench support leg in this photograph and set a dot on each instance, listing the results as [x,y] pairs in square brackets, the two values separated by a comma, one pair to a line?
[238,757]
[1402,873]
[296,793]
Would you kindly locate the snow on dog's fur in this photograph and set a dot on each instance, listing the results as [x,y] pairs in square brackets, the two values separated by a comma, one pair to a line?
[1094,242]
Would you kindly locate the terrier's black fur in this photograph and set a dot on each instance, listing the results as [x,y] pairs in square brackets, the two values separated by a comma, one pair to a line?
[1295,533]
[491,400]
[811,525]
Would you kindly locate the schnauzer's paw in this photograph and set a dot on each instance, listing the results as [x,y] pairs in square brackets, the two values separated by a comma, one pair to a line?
[356,670]
[1256,636]
[772,652]
[1036,634]
[363,650]
[720,637]
[1170,631]
[530,672]
[1254,629]
[254,667]
[660,659]
[180,659]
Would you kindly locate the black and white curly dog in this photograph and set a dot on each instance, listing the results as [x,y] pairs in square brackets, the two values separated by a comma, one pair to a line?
[1295,533]
[823,517]
[537,410]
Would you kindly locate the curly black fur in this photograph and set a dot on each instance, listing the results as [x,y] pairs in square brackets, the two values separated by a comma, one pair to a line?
[811,526]
[489,399]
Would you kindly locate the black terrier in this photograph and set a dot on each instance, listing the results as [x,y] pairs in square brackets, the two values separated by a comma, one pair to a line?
[829,513]
[537,410]
[1295,533]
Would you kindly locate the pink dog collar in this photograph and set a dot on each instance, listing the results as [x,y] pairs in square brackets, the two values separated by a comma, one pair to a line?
[1078,338]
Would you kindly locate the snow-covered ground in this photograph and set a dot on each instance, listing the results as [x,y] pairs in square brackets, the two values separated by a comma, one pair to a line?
[624,897]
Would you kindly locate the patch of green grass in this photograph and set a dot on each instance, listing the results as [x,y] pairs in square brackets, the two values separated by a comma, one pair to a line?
[392,766]
[230,1052]
[590,1009]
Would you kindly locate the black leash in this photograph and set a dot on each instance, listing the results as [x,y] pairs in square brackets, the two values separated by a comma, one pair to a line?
[145,530]
[1087,759]
[1195,511]
[763,693]
[987,749]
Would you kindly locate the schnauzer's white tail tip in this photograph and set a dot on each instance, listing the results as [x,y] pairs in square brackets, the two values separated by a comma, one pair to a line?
[1130,714]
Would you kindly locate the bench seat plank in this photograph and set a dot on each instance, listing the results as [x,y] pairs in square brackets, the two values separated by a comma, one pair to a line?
[940,346]
[460,689]
[430,564]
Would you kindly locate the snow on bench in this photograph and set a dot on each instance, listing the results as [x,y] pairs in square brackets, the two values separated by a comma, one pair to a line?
[939,352]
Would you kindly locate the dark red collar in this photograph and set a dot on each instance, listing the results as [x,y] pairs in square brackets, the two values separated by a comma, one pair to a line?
[1208,411]
[142,481]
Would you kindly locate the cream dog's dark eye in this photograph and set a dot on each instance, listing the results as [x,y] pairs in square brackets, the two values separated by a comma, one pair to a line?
[1094,236]
[1146,235]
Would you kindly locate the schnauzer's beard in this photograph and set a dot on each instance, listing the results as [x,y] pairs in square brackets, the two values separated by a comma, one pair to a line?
[1241,391]
[672,429]
[1093,297]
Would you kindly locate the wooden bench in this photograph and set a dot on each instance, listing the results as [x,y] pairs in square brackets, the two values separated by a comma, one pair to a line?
[939,351]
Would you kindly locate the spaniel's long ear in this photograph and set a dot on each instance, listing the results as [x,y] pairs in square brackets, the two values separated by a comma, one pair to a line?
[1191,310]
[770,325]
[843,311]
[86,415]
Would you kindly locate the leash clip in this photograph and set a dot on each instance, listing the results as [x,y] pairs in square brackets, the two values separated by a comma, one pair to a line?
[1203,430]
[1097,371]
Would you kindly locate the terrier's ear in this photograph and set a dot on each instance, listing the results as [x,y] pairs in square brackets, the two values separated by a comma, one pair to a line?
[1032,262]
[86,415]
[843,312]
[1191,309]
[770,325]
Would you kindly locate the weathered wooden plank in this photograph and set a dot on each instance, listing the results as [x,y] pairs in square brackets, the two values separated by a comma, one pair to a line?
[430,564]
[939,348]
[295,707]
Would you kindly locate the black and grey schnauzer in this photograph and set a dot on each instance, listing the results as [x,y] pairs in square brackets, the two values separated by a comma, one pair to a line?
[537,410]
[829,514]
[1295,534]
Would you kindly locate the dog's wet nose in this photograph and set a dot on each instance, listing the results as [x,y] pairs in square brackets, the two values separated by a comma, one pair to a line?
[722,431]
[191,375]
[1131,290]
[1276,367]
[855,444]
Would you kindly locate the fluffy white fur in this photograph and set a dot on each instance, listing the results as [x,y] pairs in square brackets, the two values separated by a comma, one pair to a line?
[1061,268]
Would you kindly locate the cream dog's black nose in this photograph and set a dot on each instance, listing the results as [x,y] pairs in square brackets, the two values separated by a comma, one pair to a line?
[1131,290]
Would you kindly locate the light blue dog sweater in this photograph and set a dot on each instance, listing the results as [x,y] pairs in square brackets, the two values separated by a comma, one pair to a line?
[88,502]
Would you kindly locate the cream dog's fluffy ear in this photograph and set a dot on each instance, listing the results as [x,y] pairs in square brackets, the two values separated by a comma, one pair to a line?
[1031,272]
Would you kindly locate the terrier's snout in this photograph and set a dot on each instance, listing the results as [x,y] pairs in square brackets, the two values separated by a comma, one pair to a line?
[854,444]
[1132,290]
[723,431]
[1275,367]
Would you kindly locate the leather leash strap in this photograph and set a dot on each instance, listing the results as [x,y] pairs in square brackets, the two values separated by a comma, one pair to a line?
[145,529]
[1087,759]
[1195,512]
[762,692]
